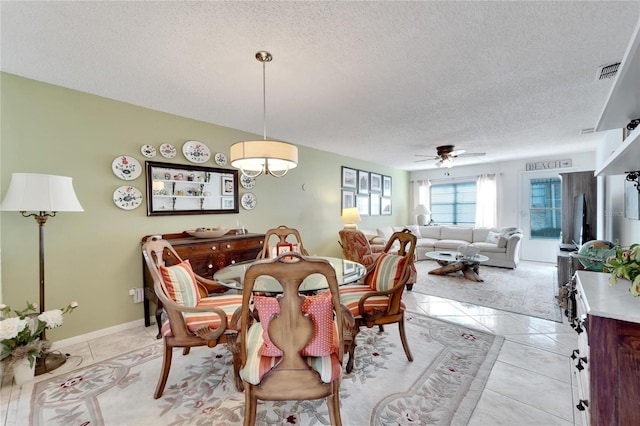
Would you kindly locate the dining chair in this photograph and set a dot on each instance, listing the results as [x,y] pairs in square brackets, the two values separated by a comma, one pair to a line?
[284,235]
[295,350]
[379,300]
[192,317]
[356,247]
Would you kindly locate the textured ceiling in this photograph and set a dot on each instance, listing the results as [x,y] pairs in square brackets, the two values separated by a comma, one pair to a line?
[379,81]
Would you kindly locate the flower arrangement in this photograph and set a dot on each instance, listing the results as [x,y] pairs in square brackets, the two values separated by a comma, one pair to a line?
[20,334]
[626,264]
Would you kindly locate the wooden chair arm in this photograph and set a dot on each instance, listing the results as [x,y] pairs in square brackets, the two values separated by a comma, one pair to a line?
[211,286]
[174,312]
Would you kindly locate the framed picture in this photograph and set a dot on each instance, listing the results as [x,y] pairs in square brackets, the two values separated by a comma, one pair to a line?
[386,186]
[349,177]
[227,185]
[348,199]
[227,202]
[362,202]
[385,206]
[363,182]
[375,204]
[376,182]
[631,201]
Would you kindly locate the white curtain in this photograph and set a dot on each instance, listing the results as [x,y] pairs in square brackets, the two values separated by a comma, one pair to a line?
[421,194]
[486,201]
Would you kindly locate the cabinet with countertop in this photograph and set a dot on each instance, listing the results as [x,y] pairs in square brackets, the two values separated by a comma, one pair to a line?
[607,357]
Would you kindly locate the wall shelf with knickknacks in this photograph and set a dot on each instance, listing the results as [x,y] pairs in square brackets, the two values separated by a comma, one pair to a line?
[177,189]
[621,110]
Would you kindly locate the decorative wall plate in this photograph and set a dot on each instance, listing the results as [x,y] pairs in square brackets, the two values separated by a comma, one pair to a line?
[246,181]
[126,167]
[196,152]
[148,151]
[221,159]
[127,197]
[167,150]
[248,201]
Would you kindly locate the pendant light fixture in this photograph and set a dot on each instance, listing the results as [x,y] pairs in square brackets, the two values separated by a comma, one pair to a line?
[266,156]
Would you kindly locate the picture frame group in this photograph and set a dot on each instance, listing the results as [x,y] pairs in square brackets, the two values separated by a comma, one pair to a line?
[370,192]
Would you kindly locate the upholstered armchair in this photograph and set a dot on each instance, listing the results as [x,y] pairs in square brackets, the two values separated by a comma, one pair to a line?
[356,247]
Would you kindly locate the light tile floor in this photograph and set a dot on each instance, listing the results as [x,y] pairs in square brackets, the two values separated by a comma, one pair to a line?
[530,383]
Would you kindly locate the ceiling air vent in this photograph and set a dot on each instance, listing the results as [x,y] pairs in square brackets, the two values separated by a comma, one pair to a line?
[607,71]
[587,131]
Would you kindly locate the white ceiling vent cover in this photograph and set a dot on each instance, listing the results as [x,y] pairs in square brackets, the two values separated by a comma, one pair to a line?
[607,71]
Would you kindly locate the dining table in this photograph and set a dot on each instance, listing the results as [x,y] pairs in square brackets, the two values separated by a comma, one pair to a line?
[232,276]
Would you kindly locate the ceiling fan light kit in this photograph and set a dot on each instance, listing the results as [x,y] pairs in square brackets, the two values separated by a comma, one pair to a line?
[446,154]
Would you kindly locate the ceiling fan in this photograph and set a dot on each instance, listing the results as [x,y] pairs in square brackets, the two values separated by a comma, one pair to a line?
[446,154]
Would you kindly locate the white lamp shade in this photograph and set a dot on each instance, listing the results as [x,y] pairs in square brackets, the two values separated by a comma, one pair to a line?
[264,156]
[350,215]
[421,209]
[40,193]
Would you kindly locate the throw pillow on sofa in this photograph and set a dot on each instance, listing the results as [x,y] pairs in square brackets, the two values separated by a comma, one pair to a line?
[492,237]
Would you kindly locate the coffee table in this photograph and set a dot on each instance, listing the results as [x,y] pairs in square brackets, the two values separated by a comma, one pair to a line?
[453,262]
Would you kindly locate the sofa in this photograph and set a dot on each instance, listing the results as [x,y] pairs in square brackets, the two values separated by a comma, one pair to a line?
[500,245]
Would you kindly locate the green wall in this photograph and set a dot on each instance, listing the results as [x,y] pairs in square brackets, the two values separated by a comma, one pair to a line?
[94,257]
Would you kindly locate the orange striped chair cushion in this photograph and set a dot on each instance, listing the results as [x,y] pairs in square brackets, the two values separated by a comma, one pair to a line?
[195,320]
[328,367]
[387,273]
[180,283]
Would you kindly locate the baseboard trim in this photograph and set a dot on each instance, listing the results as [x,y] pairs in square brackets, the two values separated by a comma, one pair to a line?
[97,334]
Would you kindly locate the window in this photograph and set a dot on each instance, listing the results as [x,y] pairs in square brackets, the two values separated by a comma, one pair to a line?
[454,203]
[545,208]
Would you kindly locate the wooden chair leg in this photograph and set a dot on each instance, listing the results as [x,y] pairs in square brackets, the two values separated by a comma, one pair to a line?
[403,339]
[250,406]
[164,374]
[333,402]
[232,345]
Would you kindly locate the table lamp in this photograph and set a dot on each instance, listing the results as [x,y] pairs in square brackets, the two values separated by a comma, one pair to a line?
[349,217]
[422,211]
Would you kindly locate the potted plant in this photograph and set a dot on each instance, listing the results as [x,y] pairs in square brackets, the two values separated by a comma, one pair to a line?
[20,335]
[626,264]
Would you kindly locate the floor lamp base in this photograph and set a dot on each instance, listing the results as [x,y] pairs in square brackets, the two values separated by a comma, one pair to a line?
[49,362]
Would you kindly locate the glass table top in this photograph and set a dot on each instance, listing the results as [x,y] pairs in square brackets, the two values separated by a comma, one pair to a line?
[232,276]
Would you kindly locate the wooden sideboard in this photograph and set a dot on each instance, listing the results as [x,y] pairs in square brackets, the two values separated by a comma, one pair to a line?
[607,359]
[206,256]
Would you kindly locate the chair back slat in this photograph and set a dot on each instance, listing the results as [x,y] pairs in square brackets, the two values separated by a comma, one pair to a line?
[284,235]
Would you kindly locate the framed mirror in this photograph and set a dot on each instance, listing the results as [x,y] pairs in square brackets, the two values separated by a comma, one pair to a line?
[174,189]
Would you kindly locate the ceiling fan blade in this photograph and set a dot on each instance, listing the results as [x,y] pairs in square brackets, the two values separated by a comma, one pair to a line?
[456,152]
[426,155]
[471,154]
[424,159]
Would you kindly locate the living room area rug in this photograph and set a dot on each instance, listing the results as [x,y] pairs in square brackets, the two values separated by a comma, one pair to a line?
[530,289]
[441,386]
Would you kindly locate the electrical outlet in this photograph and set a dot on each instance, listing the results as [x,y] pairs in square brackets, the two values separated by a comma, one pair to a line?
[138,295]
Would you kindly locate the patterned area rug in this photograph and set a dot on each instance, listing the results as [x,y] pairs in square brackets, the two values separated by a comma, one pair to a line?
[530,289]
[442,386]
